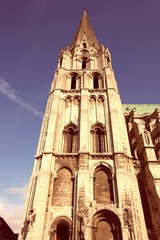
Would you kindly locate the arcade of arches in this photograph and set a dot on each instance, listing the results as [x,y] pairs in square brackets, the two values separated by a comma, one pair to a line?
[105,226]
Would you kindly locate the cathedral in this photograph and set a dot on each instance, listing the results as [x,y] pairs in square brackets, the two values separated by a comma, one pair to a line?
[96,174]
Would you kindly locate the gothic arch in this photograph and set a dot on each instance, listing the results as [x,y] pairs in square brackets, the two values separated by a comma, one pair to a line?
[84,62]
[68,96]
[98,132]
[61,228]
[98,124]
[103,185]
[70,134]
[106,225]
[71,125]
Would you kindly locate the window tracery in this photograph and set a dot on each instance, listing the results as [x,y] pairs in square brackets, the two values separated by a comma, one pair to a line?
[98,138]
[70,138]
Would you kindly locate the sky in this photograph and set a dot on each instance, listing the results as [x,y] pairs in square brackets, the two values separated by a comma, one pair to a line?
[32,33]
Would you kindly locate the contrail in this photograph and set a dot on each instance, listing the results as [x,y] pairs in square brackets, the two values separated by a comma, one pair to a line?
[8,91]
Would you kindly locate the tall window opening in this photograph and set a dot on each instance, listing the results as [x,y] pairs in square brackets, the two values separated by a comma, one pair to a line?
[60,62]
[95,82]
[73,82]
[98,139]
[70,139]
[103,188]
[84,45]
[84,64]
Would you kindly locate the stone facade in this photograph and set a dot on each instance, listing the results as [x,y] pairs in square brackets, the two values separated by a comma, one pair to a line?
[96,173]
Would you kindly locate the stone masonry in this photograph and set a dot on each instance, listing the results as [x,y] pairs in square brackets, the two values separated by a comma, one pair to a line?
[96,174]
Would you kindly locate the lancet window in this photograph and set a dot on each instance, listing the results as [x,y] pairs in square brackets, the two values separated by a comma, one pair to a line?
[60,62]
[84,64]
[75,81]
[98,132]
[70,138]
[97,81]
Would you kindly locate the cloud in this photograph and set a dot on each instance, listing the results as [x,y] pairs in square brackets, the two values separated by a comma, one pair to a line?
[8,91]
[11,211]
[21,191]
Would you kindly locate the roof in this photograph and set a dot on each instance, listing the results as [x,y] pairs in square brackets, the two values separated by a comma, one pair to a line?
[141,109]
[85,32]
[6,232]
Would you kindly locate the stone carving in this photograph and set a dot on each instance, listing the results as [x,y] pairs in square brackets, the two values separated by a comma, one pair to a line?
[146,137]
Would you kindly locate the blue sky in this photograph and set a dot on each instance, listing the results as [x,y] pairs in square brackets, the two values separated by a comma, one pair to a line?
[31,36]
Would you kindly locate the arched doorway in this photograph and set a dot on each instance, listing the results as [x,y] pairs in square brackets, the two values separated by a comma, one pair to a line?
[106,226]
[104,231]
[62,231]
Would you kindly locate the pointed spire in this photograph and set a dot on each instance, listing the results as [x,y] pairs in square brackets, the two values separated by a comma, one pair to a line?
[85,33]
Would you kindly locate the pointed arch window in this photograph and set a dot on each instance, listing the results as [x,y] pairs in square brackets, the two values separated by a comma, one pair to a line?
[70,139]
[98,138]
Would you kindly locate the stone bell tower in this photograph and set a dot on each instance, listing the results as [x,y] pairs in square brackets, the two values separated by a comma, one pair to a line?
[83,185]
